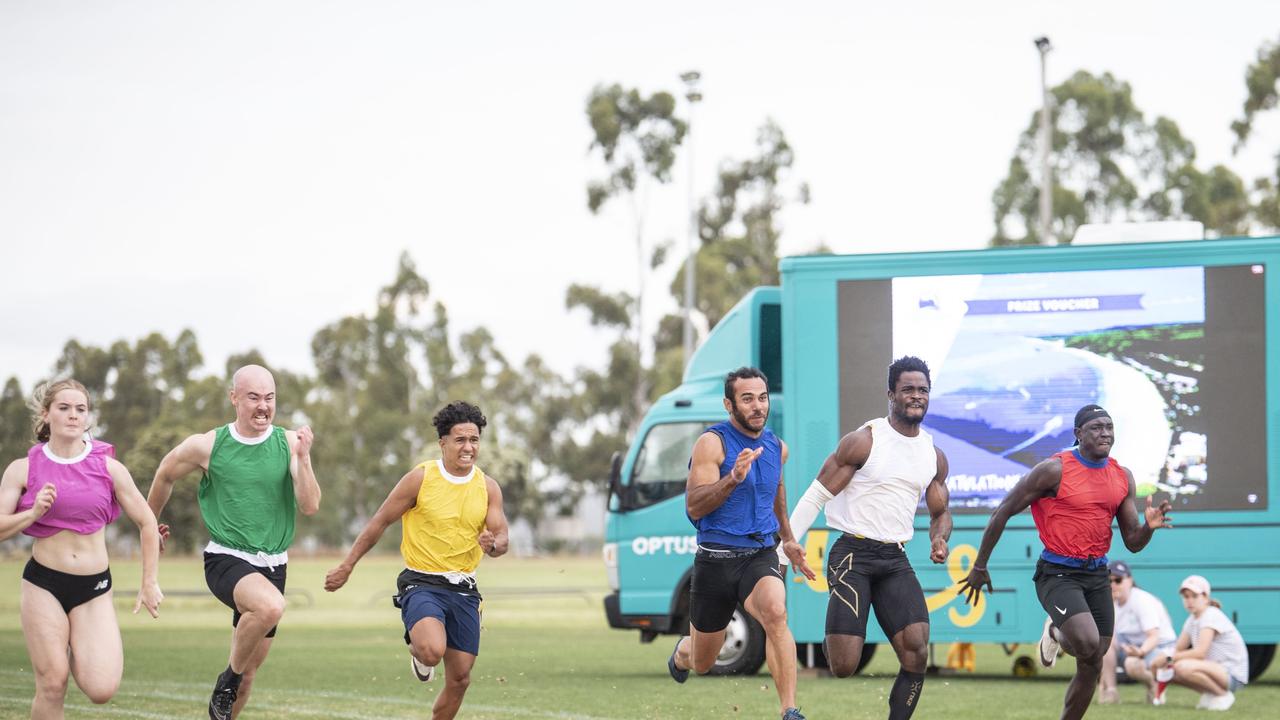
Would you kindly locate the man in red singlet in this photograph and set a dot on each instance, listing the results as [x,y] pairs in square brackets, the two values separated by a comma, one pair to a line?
[1073,497]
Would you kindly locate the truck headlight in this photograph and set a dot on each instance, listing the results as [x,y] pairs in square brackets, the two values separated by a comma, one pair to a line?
[610,555]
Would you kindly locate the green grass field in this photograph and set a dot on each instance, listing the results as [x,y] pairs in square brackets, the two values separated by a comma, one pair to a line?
[547,653]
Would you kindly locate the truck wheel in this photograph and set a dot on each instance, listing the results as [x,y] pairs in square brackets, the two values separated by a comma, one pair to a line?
[1260,657]
[743,650]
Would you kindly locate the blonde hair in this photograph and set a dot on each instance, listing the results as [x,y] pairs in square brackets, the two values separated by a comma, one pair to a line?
[42,400]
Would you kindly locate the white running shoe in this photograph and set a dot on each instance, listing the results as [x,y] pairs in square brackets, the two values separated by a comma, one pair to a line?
[1048,646]
[1221,702]
[1205,699]
[424,673]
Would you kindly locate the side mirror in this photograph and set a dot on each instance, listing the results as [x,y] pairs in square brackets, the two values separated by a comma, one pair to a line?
[616,487]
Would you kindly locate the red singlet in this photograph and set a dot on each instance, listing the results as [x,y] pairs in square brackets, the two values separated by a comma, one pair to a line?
[1077,522]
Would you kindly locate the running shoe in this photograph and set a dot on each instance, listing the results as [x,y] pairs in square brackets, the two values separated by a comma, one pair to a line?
[223,698]
[1048,645]
[792,714]
[1221,702]
[424,673]
[676,673]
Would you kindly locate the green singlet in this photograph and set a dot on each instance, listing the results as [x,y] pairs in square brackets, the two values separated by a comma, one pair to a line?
[246,495]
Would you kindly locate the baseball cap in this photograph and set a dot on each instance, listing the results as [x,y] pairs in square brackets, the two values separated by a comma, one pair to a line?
[1196,584]
[1121,569]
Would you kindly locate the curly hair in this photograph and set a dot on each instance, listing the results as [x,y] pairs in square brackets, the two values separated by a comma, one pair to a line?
[456,413]
[907,363]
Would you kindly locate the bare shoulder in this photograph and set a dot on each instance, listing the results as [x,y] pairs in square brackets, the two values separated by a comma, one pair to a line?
[855,447]
[116,468]
[708,448]
[943,465]
[197,448]
[785,451]
[492,485]
[16,472]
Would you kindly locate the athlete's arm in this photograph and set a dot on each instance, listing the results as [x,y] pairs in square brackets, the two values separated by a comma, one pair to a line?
[305,487]
[402,497]
[1135,535]
[135,506]
[850,455]
[790,549]
[1042,481]
[938,499]
[189,456]
[13,484]
[493,539]
[705,490]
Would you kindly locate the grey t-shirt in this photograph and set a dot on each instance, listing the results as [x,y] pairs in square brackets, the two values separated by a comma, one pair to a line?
[1227,648]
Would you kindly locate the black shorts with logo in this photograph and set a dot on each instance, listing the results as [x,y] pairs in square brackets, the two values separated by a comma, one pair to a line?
[1065,591]
[864,573]
[222,572]
[71,591]
[722,578]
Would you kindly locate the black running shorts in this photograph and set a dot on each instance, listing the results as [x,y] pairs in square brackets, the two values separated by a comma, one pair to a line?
[222,572]
[1065,591]
[864,574]
[723,579]
[71,591]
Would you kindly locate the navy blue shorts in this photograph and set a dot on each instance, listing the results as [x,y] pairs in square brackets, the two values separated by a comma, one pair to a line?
[459,612]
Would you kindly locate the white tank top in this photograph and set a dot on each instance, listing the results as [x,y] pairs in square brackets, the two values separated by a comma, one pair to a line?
[880,501]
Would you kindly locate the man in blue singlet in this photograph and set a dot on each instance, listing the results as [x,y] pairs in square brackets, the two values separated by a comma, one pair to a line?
[736,500]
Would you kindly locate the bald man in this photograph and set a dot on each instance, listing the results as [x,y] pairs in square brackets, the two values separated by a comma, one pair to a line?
[255,478]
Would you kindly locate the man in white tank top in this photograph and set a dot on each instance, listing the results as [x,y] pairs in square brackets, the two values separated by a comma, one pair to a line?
[871,486]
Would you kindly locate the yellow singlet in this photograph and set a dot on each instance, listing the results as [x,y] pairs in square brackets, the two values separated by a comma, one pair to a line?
[440,530]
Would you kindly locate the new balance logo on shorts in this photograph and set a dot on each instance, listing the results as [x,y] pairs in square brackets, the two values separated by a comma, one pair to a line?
[102,585]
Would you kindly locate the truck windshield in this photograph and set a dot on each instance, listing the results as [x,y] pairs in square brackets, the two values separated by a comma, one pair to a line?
[662,466]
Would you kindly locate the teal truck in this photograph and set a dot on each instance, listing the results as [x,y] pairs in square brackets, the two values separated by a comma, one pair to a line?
[1179,340]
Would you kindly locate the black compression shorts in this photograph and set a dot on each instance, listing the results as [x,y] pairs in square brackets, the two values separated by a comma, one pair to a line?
[724,578]
[863,574]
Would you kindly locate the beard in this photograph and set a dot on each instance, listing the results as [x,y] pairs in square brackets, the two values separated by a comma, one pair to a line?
[899,412]
[745,421]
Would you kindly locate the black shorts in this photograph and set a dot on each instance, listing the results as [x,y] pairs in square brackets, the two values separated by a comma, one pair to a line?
[69,590]
[1065,591]
[222,572]
[722,579]
[863,574]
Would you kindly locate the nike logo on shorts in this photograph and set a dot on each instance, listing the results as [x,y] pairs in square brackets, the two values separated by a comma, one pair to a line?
[1061,610]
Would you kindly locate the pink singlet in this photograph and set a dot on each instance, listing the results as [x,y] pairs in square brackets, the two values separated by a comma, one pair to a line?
[86,497]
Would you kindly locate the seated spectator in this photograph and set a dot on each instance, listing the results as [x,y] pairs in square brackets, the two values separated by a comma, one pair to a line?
[1143,633]
[1210,655]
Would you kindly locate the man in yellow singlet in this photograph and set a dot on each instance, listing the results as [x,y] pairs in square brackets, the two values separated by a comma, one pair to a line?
[452,513]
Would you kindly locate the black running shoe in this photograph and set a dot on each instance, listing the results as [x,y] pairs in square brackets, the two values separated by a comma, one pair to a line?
[223,698]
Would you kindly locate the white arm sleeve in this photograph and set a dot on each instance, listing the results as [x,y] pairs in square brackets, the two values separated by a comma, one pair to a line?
[805,513]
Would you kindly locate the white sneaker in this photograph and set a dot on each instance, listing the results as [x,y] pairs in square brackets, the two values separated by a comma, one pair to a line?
[1221,702]
[1205,699]
[424,673]
[1048,646]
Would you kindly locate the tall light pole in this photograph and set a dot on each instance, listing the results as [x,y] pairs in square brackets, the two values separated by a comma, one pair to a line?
[693,95]
[1046,141]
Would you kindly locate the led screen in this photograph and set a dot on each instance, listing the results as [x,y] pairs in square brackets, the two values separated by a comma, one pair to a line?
[1176,355]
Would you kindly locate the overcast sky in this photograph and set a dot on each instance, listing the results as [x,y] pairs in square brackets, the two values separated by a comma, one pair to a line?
[252,170]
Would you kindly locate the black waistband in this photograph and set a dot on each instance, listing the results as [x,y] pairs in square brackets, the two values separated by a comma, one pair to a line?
[725,553]
[412,578]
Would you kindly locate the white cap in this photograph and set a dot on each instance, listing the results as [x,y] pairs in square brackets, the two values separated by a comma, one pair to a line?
[1196,584]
